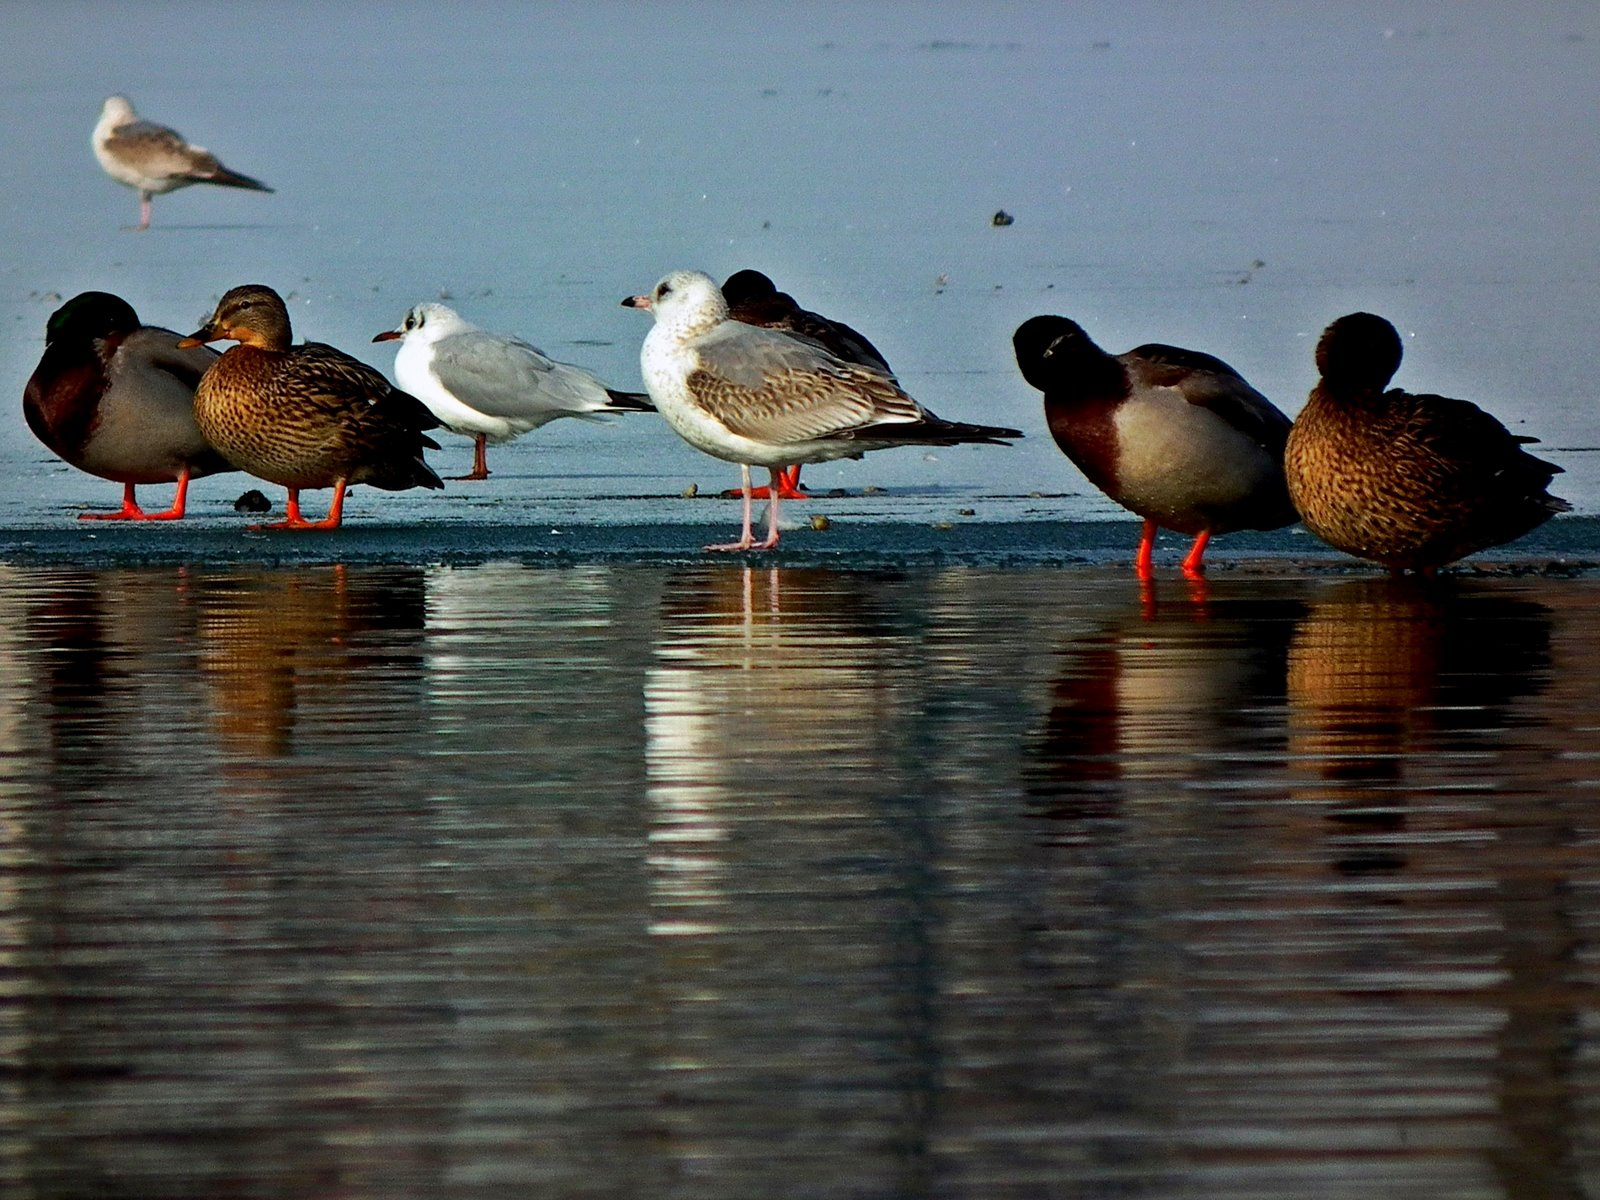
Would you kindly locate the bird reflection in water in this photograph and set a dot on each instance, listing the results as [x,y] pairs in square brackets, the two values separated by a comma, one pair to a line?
[784,849]
[307,651]
[1392,684]
[1403,697]
[1154,699]
[755,668]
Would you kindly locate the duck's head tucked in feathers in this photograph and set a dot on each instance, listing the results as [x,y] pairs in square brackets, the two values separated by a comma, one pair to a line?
[90,315]
[1056,356]
[1360,352]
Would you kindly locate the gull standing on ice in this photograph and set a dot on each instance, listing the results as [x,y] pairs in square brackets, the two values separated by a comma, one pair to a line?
[492,387]
[153,159]
[763,397]
[754,299]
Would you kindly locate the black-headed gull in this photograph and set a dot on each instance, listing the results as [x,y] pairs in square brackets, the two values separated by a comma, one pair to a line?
[754,299]
[761,397]
[1174,435]
[153,159]
[492,387]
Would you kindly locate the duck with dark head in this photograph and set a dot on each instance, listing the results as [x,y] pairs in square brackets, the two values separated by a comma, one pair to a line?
[115,398]
[1409,481]
[1174,435]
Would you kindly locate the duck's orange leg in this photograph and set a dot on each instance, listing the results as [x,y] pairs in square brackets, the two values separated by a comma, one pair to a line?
[1143,561]
[1193,567]
[130,510]
[788,487]
[293,520]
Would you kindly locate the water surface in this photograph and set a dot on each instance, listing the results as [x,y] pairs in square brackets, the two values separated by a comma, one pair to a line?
[715,881]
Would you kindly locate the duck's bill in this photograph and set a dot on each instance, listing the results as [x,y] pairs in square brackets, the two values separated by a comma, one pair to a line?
[198,338]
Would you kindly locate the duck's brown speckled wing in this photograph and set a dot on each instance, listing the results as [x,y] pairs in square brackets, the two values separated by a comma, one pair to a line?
[331,380]
[1460,432]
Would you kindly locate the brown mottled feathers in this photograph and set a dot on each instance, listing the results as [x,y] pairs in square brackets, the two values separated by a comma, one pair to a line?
[306,416]
[770,387]
[1410,481]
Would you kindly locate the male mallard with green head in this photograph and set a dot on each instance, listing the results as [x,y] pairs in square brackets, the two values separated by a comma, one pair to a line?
[116,399]
[1409,481]
[305,416]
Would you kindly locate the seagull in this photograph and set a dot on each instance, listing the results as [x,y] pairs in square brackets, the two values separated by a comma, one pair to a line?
[763,397]
[154,159]
[489,386]
[1174,435]
[754,299]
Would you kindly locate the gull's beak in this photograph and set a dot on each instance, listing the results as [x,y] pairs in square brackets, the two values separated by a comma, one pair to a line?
[388,335]
[636,302]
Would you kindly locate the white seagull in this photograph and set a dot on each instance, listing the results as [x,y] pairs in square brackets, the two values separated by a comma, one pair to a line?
[153,159]
[492,387]
[763,397]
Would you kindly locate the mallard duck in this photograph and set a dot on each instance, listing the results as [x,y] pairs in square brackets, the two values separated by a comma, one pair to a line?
[492,387]
[751,395]
[755,300]
[116,399]
[305,416]
[153,159]
[1174,435]
[1409,481]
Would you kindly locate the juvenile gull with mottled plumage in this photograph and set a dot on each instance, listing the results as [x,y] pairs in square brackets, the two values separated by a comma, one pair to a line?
[754,299]
[762,397]
[153,159]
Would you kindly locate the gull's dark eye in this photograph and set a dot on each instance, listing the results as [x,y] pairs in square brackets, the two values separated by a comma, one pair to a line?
[662,290]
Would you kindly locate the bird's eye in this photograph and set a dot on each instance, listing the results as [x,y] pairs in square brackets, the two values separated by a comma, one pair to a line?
[662,290]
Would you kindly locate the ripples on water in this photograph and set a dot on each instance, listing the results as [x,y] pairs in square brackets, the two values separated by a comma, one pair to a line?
[726,882]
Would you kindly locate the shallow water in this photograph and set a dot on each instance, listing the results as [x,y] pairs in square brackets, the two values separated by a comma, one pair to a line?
[710,881]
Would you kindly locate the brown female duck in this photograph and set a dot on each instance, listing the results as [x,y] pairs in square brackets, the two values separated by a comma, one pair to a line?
[1409,481]
[116,399]
[305,416]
